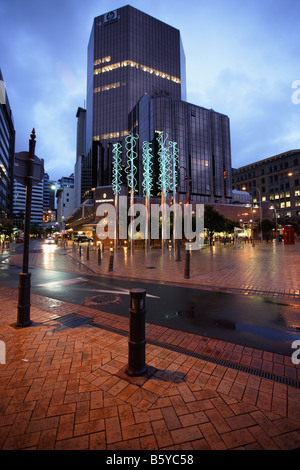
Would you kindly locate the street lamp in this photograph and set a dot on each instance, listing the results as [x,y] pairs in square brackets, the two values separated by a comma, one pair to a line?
[185,180]
[260,210]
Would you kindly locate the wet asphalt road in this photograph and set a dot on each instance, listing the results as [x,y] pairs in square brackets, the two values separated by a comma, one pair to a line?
[250,321]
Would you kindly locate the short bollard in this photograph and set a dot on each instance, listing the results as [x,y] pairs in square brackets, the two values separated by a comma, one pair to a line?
[99,255]
[178,257]
[137,343]
[111,261]
[187,265]
[88,253]
[79,251]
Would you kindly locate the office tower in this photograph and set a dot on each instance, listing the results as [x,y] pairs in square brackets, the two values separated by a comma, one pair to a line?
[65,197]
[129,54]
[7,145]
[79,176]
[136,84]
[19,200]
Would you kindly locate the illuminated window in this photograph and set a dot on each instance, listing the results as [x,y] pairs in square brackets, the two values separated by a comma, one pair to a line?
[102,61]
[130,63]
[111,86]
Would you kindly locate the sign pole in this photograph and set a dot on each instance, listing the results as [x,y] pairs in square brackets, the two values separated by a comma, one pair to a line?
[23,318]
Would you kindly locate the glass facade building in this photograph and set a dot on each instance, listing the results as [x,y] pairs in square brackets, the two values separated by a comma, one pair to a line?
[129,53]
[7,147]
[136,82]
[203,140]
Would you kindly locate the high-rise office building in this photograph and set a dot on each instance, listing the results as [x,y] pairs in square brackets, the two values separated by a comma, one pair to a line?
[7,146]
[79,177]
[136,82]
[19,202]
[129,53]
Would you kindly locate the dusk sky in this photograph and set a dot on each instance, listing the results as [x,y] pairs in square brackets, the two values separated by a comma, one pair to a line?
[242,60]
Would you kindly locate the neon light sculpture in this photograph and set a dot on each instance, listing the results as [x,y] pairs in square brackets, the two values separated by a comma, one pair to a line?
[131,170]
[164,182]
[147,185]
[148,170]
[116,184]
[164,165]
[117,168]
[174,152]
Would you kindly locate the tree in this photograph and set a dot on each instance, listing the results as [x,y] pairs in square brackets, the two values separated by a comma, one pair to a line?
[267,226]
[6,227]
[230,225]
[213,222]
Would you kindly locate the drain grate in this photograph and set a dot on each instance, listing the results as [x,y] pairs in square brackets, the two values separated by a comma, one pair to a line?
[231,365]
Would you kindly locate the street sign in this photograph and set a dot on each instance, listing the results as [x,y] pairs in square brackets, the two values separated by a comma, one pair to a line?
[21,168]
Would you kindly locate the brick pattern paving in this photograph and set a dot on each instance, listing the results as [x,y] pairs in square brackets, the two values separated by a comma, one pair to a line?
[66,387]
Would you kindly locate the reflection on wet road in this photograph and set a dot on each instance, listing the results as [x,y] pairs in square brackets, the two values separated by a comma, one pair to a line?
[250,321]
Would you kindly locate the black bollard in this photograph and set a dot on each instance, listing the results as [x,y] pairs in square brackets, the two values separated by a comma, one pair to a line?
[111,261]
[187,265]
[88,253]
[79,251]
[178,257]
[137,343]
[99,255]
[23,318]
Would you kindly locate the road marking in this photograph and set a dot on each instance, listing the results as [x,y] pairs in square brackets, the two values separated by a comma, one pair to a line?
[66,282]
[123,291]
[75,280]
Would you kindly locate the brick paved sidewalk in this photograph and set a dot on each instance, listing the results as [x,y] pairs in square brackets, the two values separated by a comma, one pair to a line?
[64,386]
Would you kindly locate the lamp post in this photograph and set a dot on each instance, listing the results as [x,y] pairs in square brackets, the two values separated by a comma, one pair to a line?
[185,180]
[276,225]
[23,318]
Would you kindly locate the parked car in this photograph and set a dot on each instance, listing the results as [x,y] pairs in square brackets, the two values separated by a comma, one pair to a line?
[19,240]
[82,239]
